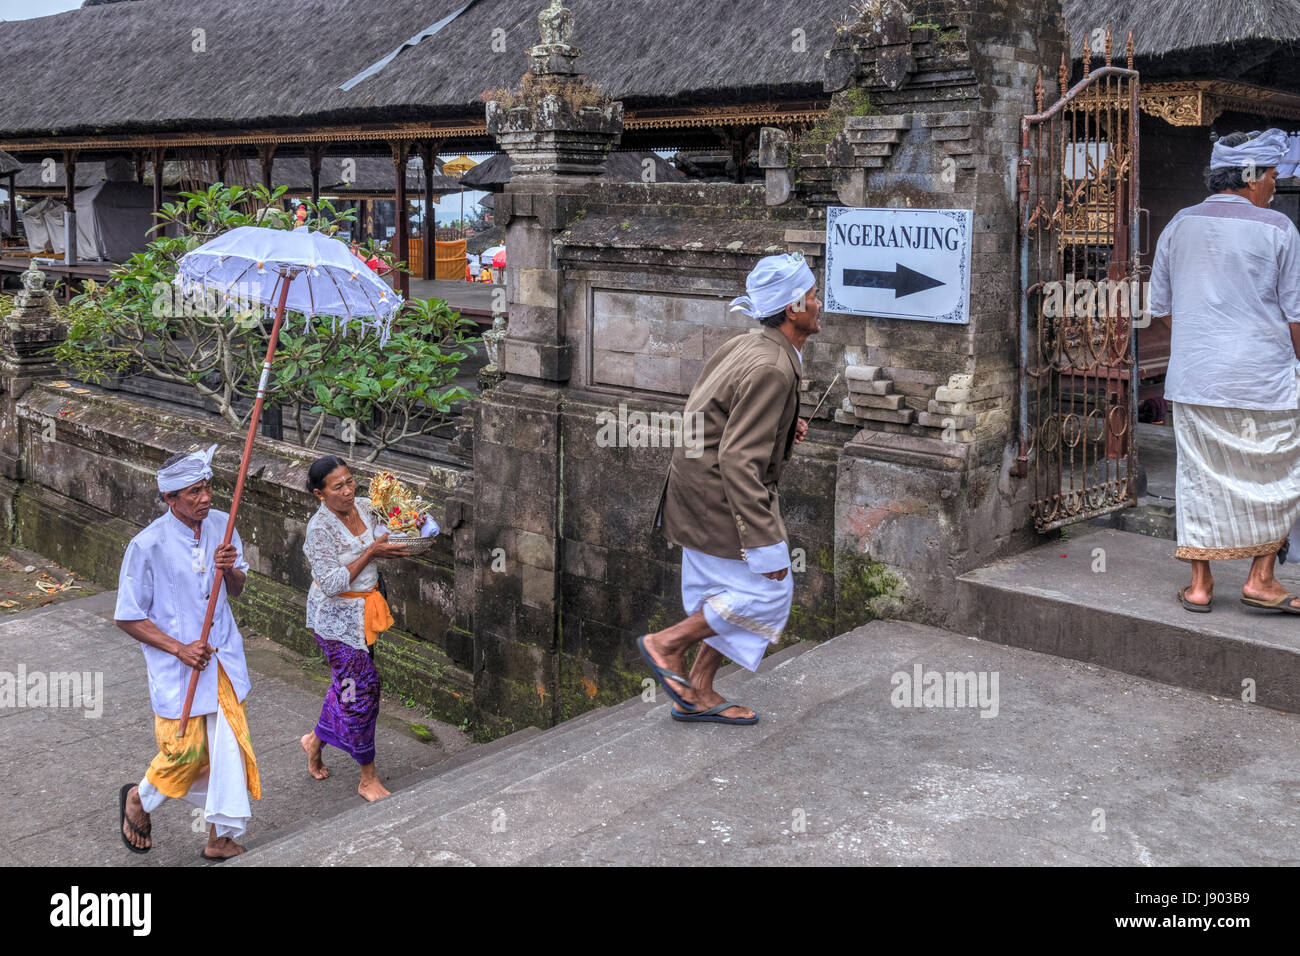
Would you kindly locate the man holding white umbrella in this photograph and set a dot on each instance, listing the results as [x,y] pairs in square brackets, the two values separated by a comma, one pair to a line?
[314,275]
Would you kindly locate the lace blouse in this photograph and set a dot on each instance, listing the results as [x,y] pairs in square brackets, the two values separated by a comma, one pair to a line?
[330,547]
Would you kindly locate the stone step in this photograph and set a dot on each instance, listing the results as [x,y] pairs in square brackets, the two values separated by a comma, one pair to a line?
[1056,599]
[502,766]
[470,791]
[481,755]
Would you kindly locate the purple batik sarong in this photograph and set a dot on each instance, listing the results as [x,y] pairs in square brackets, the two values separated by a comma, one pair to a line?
[351,709]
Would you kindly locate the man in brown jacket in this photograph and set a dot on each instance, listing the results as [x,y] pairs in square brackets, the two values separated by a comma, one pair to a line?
[719,501]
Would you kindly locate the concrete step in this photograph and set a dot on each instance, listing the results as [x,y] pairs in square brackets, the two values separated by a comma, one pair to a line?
[477,773]
[462,800]
[838,771]
[491,767]
[480,755]
[1056,599]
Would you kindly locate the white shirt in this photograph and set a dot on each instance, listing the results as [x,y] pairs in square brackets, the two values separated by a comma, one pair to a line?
[166,576]
[330,547]
[1229,273]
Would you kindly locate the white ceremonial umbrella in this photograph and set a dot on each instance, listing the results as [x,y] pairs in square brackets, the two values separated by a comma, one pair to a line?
[301,270]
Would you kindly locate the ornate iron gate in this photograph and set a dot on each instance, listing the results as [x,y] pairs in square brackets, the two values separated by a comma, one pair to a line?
[1079,281]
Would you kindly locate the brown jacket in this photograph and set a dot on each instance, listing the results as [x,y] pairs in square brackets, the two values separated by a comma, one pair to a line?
[725,500]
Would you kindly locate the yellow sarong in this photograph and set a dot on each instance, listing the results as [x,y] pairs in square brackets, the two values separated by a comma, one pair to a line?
[180,760]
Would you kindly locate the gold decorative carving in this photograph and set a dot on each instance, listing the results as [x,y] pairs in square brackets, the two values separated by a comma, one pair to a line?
[753,114]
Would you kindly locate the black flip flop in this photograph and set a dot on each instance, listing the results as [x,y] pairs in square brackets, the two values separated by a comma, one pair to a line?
[663,676]
[121,806]
[1192,605]
[713,715]
[1282,604]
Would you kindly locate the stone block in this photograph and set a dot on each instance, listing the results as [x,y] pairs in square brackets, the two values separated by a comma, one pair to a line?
[880,121]
[657,374]
[901,417]
[584,560]
[535,550]
[892,402]
[862,373]
[945,408]
[946,134]
[959,422]
[613,368]
[880,387]
[945,393]
[924,376]
[538,586]
[619,333]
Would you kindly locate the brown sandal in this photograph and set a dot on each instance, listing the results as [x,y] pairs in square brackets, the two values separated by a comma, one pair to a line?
[1282,604]
[1192,605]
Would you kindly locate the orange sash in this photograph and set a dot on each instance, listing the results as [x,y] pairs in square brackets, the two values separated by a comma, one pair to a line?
[378,618]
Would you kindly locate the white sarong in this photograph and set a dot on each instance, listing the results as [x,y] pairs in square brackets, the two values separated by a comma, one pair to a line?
[746,610]
[1238,480]
[221,790]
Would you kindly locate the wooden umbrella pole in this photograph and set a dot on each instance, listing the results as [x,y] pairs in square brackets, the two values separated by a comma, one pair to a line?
[219,578]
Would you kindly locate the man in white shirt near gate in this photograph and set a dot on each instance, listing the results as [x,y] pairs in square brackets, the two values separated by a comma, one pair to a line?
[1228,271]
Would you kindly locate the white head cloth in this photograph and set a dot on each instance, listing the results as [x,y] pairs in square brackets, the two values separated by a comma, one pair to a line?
[1290,165]
[194,467]
[777,281]
[1261,151]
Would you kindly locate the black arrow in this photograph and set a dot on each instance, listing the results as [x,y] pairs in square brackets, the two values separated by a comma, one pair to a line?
[903,281]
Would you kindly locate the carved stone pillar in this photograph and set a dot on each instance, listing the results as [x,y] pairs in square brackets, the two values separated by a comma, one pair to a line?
[26,332]
[557,131]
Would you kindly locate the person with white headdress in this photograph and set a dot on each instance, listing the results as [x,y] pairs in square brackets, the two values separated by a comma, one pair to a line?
[1228,273]
[720,502]
[162,598]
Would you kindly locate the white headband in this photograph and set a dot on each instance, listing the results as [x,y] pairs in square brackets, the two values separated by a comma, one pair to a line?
[193,468]
[1261,151]
[777,281]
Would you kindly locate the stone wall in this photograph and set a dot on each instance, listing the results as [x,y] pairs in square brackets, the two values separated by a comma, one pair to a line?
[527,611]
[88,485]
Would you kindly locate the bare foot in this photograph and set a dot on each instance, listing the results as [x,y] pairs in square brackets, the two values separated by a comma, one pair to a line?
[221,848]
[135,813]
[372,789]
[707,699]
[673,662]
[1199,595]
[312,745]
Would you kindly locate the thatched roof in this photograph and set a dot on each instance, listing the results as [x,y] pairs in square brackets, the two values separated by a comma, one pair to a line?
[282,61]
[128,67]
[622,167]
[8,164]
[1161,27]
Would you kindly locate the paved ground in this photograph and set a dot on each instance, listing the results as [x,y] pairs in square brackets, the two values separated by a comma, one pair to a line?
[1080,766]
[60,770]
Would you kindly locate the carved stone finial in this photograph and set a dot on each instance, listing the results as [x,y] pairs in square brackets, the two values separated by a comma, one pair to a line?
[556,23]
[34,295]
[555,54]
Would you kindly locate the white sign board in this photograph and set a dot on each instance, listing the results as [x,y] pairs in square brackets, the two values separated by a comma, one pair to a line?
[899,263]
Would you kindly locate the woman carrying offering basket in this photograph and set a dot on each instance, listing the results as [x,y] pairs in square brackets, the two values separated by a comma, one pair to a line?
[345,609]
